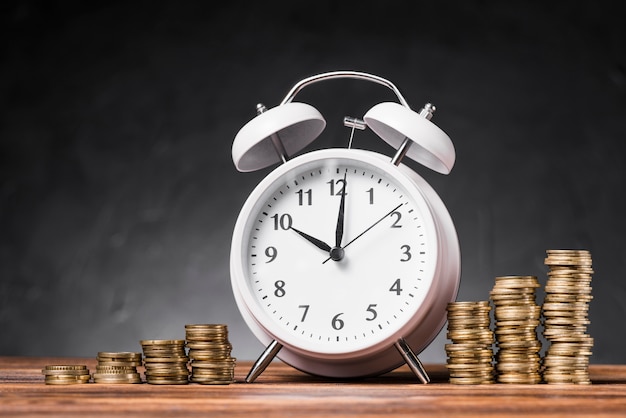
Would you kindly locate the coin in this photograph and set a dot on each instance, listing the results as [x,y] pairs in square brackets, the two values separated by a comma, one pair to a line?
[166,361]
[67,380]
[517,317]
[470,352]
[117,367]
[65,367]
[565,313]
[65,374]
[210,354]
[119,356]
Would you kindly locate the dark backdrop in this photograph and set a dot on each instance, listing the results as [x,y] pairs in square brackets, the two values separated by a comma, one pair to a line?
[117,190]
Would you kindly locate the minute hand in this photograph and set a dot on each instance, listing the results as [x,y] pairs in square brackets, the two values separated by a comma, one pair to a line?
[341,215]
[370,227]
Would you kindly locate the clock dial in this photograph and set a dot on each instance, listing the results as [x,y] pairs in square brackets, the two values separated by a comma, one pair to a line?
[337,255]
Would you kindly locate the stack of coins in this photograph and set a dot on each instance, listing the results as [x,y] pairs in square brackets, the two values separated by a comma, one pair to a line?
[209,352]
[470,354]
[117,368]
[165,362]
[517,317]
[565,309]
[66,374]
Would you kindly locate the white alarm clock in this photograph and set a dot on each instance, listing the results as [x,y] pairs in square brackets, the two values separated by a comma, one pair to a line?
[343,260]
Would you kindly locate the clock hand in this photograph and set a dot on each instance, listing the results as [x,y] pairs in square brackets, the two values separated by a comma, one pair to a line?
[341,215]
[362,233]
[318,243]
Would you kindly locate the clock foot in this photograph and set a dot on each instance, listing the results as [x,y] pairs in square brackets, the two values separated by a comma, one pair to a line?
[412,361]
[264,360]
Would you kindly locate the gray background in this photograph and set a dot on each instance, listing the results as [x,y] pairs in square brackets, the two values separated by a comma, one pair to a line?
[117,190]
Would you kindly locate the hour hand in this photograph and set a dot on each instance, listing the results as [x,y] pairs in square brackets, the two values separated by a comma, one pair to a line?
[318,243]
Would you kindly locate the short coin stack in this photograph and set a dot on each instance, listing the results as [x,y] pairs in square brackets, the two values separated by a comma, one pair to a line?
[470,354]
[517,316]
[209,352]
[565,312]
[165,362]
[117,368]
[66,374]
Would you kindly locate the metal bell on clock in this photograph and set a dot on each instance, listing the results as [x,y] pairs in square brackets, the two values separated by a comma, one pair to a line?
[275,134]
[413,135]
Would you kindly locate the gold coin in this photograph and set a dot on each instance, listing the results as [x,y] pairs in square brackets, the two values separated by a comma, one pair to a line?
[162,342]
[207,327]
[82,378]
[116,376]
[515,279]
[519,329]
[473,374]
[475,321]
[118,356]
[517,322]
[167,381]
[105,368]
[225,362]
[566,306]
[208,345]
[565,298]
[471,332]
[65,372]
[115,371]
[476,353]
[67,380]
[463,347]
[211,381]
[193,353]
[470,381]
[65,367]
[519,379]
[156,350]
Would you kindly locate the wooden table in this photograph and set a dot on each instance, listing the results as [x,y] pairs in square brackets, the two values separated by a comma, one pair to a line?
[283,391]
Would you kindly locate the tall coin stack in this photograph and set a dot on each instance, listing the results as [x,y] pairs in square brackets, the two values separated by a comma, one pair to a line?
[165,362]
[565,312]
[517,316]
[117,368]
[470,355]
[209,352]
[70,374]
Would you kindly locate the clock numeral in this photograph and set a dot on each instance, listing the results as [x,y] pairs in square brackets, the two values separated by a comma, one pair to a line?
[306,311]
[271,253]
[395,287]
[280,289]
[396,223]
[371,310]
[406,251]
[283,221]
[301,197]
[340,189]
[371,193]
[337,323]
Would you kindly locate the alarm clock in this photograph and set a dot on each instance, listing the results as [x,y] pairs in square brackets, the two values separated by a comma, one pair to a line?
[343,260]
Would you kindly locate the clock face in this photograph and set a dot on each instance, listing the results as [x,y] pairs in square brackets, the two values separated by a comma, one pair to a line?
[335,255]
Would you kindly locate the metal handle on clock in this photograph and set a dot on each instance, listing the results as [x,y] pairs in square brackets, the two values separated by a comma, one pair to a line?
[343,74]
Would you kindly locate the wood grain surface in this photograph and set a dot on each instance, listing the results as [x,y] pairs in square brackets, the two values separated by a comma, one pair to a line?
[282,391]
